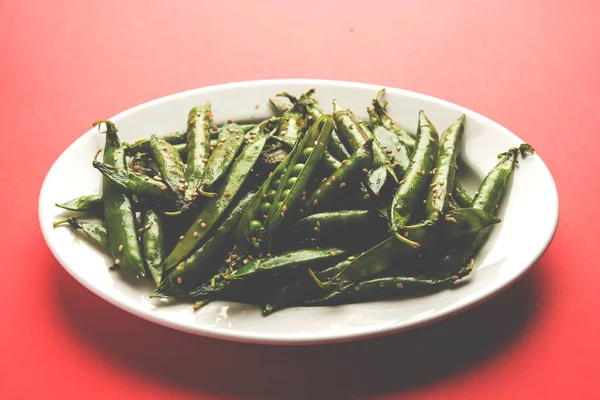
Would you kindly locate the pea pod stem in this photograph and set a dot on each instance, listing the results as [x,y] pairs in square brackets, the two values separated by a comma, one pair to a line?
[94,233]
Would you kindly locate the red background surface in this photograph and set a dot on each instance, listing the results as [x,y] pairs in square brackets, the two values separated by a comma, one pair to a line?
[531,66]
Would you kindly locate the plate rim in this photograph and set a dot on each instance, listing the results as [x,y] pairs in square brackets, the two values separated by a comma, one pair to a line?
[320,338]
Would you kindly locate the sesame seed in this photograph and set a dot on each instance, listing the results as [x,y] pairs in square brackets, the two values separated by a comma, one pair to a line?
[317,229]
[455,166]
[227,194]
[345,162]
[245,261]
[351,126]
[181,237]
[433,184]
[424,201]
[204,160]
[316,202]
[194,195]
[365,170]
[321,144]
[212,148]
[323,180]
[398,148]
[431,139]
[432,157]
[163,188]
[136,167]
[203,225]
[228,261]
[405,234]
[284,208]
[451,219]
[179,280]
[181,188]
[316,142]
[182,180]
[140,230]
[402,181]
[332,254]
[196,234]
[250,257]
[120,247]
[388,151]
[234,256]
[147,226]
[400,286]
[367,196]
[454,277]
[351,258]
[282,214]
[268,255]
[343,184]
[117,261]
[158,178]
[192,121]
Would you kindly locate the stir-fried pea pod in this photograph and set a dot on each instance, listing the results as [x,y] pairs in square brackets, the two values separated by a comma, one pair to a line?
[311,107]
[292,121]
[281,264]
[348,127]
[413,185]
[182,150]
[443,177]
[90,203]
[143,145]
[93,232]
[133,183]
[298,292]
[295,179]
[388,287]
[119,215]
[214,209]
[487,199]
[229,142]
[392,144]
[202,263]
[198,147]
[341,181]
[153,242]
[461,196]
[169,165]
[381,117]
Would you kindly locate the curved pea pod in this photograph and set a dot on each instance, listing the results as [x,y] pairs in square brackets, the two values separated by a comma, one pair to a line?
[131,182]
[388,287]
[226,149]
[143,145]
[90,203]
[380,116]
[202,263]
[461,196]
[412,187]
[289,194]
[198,147]
[216,206]
[445,171]
[153,242]
[392,145]
[169,165]
[94,233]
[343,180]
[119,215]
[298,292]
[257,268]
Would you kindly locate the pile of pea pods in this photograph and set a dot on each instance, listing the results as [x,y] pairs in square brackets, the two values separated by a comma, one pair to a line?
[301,209]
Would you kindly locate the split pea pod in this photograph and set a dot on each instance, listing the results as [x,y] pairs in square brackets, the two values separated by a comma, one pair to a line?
[94,233]
[257,268]
[225,151]
[445,171]
[202,263]
[413,185]
[153,242]
[384,119]
[119,215]
[198,147]
[344,179]
[169,165]
[217,205]
[90,203]
[392,144]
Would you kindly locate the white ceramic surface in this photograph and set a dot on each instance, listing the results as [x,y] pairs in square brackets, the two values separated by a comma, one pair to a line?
[529,213]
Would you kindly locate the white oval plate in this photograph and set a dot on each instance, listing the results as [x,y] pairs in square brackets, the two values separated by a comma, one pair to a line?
[529,213]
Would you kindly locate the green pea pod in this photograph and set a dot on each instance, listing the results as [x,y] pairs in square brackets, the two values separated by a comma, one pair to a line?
[298,292]
[461,196]
[226,149]
[198,147]
[330,163]
[202,263]
[182,150]
[260,267]
[143,145]
[445,170]
[392,144]
[119,215]
[153,242]
[388,287]
[94,233]
[413,185]
[382,118]
[292,121]
[90,203]
[169,165]
[343,180]
[214,209]
[135,183]
[348,128]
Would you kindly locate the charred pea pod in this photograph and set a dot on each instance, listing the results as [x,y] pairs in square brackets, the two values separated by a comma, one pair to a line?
[282,264]
[217,205]
[202,263]
[384,119]
[461,196]
[93,232]
[442,180]
[143,145]
[226,149]
[153,242]
[391,143]
[389,287]
[119,215]
[90,203]
[343,180]
[412,187]
[355,133]
[198,147]
[135,183]
[169,164]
